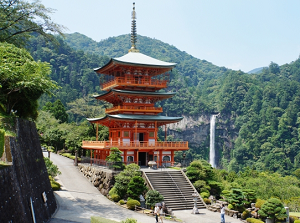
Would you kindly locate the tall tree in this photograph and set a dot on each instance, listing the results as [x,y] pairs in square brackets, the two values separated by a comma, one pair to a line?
[22,81]
[19,19]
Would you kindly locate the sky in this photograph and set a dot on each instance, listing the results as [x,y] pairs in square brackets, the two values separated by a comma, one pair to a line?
[237,34]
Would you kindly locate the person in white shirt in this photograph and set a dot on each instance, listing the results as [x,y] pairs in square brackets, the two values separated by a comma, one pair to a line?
[223,213]
[156,212]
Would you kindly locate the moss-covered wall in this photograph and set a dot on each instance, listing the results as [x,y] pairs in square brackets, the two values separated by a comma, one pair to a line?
[26,178]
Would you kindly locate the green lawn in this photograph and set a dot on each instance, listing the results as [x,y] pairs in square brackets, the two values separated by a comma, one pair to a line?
[297,214]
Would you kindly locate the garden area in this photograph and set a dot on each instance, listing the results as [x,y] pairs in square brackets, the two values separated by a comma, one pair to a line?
[250,195]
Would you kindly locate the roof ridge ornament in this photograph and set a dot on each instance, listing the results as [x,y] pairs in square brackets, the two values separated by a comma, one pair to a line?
[133,31]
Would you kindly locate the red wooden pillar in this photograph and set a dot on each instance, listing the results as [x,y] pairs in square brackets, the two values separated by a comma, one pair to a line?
[125,156]
[172,157]
[91,157]
[160,158]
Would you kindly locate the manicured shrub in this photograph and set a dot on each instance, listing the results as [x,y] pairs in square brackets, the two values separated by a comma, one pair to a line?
[204,194]
[132,203]
[273,208]
[207,201]
[297,221]
[259,203]
[230,207]
[136,187]
[129,220]
[115,197]
[112,191]
[153,197]
[253,220]
[245,214]
[122,202]
[201,186]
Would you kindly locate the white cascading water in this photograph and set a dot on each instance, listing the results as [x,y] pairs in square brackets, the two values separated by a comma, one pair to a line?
[212,152]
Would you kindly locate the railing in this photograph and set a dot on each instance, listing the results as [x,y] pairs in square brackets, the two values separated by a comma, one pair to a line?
[133,109]
[125,81]
[178,189]
[106,164]
[134,144]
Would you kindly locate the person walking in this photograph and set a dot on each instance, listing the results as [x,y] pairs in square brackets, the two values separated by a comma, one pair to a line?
[161,212]
[223,213]
[156,212]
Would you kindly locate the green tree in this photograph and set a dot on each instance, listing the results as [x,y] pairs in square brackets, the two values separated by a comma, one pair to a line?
[273,208]
[136,187]
[153,197]
[124,177]
[22,81]
[57,109]
[19,19]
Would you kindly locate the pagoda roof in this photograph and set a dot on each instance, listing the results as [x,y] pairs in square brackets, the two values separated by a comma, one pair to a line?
[144,93]
[137,59]
[127,117]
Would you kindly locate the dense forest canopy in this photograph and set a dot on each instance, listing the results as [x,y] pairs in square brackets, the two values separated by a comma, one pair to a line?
[263,107]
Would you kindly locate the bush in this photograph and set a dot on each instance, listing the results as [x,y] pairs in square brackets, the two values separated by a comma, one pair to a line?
[55,186]
[207,201]
[259,203]
[153,197]
[273,208]
[297,221]
[245,214]
[115,197]
[129,220]
[230,207]
[51,168]
[253,220]
[201,186]
[122,202]
[112,191]
[132,203]
[96,219]
[204,195]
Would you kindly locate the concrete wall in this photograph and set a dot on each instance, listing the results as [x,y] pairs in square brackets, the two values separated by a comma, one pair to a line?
[26,178]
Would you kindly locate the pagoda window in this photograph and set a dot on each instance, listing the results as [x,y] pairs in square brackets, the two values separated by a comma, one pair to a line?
[126,134]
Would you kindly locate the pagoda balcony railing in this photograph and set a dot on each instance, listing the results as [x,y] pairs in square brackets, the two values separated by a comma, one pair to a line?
[134,82]
[134,109]
[134,145]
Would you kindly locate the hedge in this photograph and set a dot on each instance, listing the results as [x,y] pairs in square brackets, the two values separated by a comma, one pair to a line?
[132,203]
[253,220]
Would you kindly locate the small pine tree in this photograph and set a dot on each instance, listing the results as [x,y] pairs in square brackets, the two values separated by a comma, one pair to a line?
[273,208]
[153,197]
[136,187]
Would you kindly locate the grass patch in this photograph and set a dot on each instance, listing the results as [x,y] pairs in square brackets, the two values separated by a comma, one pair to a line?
[175,168]
[96,219]
[55,186]
[297,214]
[69,155]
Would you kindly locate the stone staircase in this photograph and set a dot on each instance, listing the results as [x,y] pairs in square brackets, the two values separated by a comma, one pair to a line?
[174,187]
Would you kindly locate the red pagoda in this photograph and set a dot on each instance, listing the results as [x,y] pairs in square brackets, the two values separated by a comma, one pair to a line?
[132,83]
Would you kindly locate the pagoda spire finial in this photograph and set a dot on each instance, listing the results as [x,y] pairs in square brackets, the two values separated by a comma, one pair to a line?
[133,31]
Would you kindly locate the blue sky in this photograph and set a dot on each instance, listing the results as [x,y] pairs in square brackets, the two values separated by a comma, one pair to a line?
[237,34]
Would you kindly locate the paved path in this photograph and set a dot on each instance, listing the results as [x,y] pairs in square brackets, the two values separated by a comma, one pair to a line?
[78,200]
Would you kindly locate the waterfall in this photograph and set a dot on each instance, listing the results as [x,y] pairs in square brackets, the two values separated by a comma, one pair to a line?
[212,152]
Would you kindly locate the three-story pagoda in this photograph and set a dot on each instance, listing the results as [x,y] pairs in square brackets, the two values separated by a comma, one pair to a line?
[132,83]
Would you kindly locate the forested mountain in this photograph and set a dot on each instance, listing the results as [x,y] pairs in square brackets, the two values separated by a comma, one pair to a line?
[259,112]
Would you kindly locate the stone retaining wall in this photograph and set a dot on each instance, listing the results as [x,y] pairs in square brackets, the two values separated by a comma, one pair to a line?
[26,179]
[103,179]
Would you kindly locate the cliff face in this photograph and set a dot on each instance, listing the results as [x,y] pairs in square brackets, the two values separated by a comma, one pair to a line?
[26,179]
[196,130]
